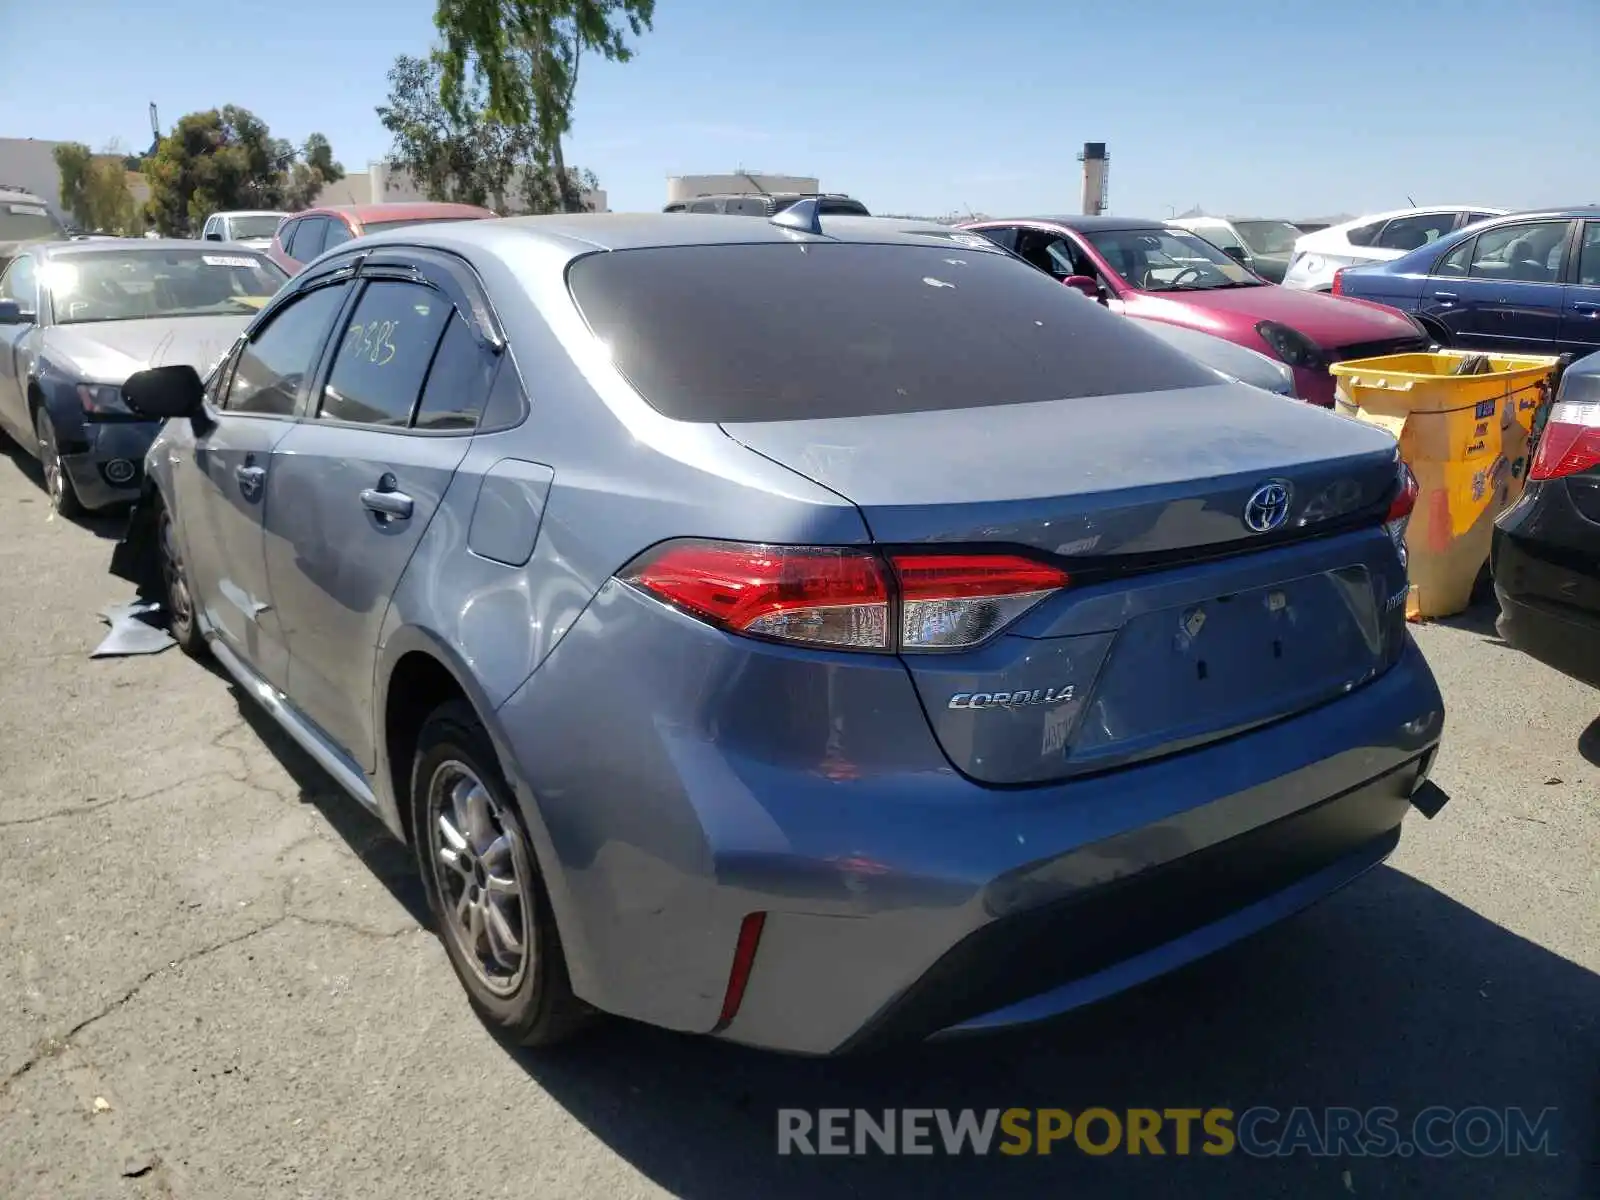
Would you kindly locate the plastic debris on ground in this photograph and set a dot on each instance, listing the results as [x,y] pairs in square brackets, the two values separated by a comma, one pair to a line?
[138,627]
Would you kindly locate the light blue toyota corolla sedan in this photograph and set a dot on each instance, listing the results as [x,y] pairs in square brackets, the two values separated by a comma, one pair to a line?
[814,633]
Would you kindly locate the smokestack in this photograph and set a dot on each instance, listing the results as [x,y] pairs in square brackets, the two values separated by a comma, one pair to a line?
[1095,160]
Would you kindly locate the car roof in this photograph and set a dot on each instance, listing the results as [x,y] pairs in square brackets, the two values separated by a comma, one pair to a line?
[1084,224]
[1391,214]
[394,208]
[249,212]
[586,232]
[64,249]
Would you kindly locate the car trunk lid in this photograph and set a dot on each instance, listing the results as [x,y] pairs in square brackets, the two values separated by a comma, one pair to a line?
[1181,624]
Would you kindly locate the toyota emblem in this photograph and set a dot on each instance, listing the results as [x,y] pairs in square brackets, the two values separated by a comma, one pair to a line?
[1267,508]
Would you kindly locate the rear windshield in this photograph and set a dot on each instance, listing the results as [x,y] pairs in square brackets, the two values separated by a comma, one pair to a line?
[23,220]
[782,332]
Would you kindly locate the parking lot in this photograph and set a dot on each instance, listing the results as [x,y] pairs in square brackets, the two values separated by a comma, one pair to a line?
[215,980]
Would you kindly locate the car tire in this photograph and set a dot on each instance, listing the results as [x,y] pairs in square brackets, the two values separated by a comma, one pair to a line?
[177,595]
[57,483]
[488,899]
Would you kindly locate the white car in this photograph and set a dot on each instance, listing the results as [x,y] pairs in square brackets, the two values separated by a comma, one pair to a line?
[253,228]
[1377,237]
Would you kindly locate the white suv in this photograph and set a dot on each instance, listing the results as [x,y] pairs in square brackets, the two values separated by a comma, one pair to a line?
[1376,237]
[253,228]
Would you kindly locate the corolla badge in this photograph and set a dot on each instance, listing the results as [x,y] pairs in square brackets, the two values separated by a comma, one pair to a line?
[1027,698]
[1267,508]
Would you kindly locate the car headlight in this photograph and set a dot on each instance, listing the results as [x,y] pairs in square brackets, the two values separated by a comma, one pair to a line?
[1290,345]
[101,397]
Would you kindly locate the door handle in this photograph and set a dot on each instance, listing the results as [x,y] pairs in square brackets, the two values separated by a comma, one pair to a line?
[1444,295]
[249,477]
[387,503]
[1586,306]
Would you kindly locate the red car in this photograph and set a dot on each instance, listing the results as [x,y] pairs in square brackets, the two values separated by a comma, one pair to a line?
[303,236]
[1162,273]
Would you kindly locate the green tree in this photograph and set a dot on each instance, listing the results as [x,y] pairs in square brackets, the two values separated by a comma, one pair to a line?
[225,159]
[314,170]
[94,189]
[459,155]
[525,54]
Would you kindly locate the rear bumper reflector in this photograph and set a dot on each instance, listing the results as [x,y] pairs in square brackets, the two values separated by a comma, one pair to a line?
[744,957]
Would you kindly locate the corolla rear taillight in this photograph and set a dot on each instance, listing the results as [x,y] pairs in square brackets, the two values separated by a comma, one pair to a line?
[1338,282]
[1570,442]
[845,598]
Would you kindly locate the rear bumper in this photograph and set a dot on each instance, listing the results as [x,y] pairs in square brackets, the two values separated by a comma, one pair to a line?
[674,786]
[1546,560]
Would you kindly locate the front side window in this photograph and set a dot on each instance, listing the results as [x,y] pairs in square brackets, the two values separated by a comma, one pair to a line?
[1524,252]
[26,221]
[384,353]
[776,331]
[18,284]
[1169,260]
[279,357]
[133,285]
[1412,233]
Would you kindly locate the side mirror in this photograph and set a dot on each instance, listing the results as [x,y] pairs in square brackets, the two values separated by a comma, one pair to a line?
[1237,253]
[163,392]
[11,313]
[1087,284]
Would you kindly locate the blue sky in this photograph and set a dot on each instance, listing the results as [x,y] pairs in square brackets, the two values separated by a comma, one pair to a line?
[1292,108]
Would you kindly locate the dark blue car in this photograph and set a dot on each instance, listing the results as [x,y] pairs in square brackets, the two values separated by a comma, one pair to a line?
[1529,282]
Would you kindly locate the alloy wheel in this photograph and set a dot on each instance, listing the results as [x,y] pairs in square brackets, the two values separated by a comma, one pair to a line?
[482,872]
[178,600]
[50,458]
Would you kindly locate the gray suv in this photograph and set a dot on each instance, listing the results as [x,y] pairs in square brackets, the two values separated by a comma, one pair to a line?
[25,219]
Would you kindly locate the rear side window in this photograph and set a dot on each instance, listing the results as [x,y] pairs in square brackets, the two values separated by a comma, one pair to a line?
[1363,235]
[384,353]
[458,383]
[778,332]
[308,238]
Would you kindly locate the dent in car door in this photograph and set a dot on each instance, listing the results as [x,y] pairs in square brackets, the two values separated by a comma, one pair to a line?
[221,483]
[354,489]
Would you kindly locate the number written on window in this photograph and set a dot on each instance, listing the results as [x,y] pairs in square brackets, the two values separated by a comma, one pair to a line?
[384,353]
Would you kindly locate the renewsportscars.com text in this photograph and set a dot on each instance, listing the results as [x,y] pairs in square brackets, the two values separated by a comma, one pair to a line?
[1260,1132]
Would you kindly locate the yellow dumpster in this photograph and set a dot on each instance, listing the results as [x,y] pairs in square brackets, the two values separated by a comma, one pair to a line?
[1463,420]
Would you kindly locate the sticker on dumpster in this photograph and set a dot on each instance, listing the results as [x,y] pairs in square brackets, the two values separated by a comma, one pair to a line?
[1486,409]
[1482,429]
[1478,485]
[1528,405]
[1477,446]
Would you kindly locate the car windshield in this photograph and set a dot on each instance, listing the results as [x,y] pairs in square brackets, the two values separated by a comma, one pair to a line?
[1268,237]
[781,332]
[261,226]
[22,221]
[401,222]
[137,284]
[1169,260]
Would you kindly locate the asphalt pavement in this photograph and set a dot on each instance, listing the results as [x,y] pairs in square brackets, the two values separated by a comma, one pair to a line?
[216,980]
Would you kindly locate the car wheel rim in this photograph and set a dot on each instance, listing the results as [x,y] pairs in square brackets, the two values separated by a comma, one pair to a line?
[49,458]
[481,869]
[172,570]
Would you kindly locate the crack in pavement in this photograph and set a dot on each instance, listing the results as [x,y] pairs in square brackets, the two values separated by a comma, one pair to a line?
[94,806]
[56,1044]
